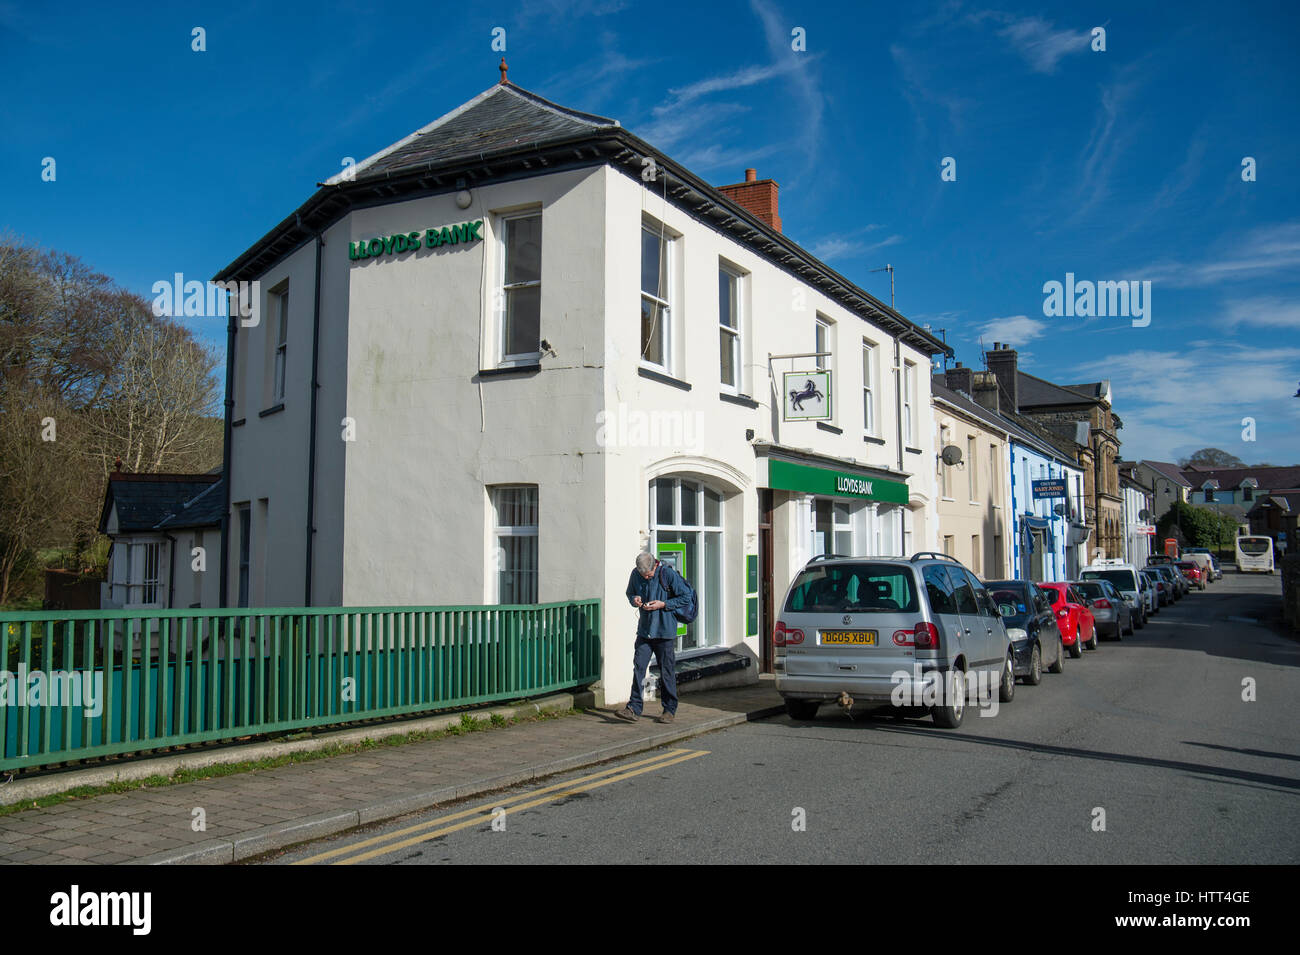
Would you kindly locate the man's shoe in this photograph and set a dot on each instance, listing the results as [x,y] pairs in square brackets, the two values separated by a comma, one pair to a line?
[666,718]
[627,714]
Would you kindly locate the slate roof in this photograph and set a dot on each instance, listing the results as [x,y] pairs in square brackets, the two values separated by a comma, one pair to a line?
[1268,479]
[202,510]
[1013,429]
[507,132]
[143,501]
[1167,470]
[501,119]
[1036,392]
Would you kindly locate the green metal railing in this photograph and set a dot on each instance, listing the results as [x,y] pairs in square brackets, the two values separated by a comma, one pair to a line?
[81,684]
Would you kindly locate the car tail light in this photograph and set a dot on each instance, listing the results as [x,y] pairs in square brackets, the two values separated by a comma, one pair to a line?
[925,636]
[785,636]
[1101,602]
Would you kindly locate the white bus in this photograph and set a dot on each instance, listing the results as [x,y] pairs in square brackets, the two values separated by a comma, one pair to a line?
[1255,555]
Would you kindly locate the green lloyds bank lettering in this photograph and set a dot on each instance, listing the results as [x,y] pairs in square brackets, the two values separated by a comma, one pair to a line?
[460,234]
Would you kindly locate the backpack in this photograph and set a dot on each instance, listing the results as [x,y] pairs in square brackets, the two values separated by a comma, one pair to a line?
[692,610]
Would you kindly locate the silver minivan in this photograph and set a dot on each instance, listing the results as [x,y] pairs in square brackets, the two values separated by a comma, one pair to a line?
[915,632]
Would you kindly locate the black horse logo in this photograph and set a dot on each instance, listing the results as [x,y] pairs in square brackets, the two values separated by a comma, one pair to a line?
[797,398]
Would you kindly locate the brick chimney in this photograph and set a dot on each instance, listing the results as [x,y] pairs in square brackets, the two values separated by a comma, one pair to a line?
[1002,362]
[757,196]
[985,391]
[959,379]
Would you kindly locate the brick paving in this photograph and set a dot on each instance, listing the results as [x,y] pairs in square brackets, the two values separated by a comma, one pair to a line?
[251,813]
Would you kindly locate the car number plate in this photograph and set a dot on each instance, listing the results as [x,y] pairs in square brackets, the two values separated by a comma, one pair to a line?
[865,638]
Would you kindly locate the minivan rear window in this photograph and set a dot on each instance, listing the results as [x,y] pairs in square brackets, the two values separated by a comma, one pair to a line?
[853,588]
[1122,579]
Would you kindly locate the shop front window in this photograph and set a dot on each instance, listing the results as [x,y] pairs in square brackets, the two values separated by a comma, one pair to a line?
[689,513]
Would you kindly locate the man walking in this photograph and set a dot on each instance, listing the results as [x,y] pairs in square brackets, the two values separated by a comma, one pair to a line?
[656,590]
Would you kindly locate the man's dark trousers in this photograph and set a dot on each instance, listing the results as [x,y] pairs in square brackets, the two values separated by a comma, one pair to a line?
[665,651]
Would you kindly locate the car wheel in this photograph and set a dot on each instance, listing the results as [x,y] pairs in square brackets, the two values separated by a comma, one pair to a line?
[1140,621]
[1092,644]
[1007,690]
[802,709]
[1076,648]
[949,715]
[1059,665]
[1035,676]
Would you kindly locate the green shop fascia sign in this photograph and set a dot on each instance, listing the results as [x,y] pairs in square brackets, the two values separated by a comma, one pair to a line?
[461,234]
[788,476]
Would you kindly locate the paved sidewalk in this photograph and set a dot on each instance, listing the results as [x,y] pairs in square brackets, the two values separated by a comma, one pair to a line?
[255,812]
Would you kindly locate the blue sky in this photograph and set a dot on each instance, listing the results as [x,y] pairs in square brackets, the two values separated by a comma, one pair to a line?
[1122,165]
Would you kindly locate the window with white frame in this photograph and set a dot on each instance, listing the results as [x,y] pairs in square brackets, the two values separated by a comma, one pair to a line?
[971,469]
[138,578]
[519,250]
[868,387]
[909,401]
[516,544]
[993,475]
[945,479]
[689,514]
[729,327]
[656,295]
[823,342]
[281,344]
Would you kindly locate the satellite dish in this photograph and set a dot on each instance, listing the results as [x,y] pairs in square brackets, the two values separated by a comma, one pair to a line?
[1059,509]
[951,455]
[1145,515]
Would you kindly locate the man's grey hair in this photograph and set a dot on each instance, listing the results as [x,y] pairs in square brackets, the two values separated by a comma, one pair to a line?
[644,561]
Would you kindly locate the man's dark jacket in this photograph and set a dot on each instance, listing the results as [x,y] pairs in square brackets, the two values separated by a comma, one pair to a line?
[666,585]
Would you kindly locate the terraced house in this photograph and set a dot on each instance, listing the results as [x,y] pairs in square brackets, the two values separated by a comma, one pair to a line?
[501,356]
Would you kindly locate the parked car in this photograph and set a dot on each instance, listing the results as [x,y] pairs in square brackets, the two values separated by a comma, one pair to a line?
[1176,582]
[1156,559]
[1202,560]
[1215,572]
[1109,610]
[1192,571]
[1031,626]
[879,628]
[1126,580]
[1180,578]
[1078,626]
[1163,588]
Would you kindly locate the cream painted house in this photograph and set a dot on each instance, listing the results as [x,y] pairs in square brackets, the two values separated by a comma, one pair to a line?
[497,359]
[974,487]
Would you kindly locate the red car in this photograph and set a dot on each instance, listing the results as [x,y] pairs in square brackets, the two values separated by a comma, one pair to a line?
[1077,624]
[1192,571]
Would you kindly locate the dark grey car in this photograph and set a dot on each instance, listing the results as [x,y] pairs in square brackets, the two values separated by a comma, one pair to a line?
[1031,627]
[1109,609]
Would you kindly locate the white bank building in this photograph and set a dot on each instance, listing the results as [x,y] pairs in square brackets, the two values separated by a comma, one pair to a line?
[497,359]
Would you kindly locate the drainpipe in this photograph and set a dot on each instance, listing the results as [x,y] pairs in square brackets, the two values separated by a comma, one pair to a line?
[311,449]
[171,573]
[225,449]
[898,408]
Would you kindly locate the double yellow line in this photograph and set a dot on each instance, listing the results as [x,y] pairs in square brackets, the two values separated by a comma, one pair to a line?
[467,818]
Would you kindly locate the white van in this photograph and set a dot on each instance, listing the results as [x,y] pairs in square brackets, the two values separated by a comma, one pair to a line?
[1124,577]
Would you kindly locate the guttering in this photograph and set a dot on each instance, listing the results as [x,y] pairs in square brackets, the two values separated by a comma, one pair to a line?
[311,445]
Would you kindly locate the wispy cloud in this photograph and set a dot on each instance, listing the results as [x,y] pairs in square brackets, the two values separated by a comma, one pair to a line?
[921,86]
[852,245]
[1036,40]
[1013,329]
[1265,311]
[1263,251]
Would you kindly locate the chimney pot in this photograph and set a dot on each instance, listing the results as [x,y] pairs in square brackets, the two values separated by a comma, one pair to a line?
[751,175]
